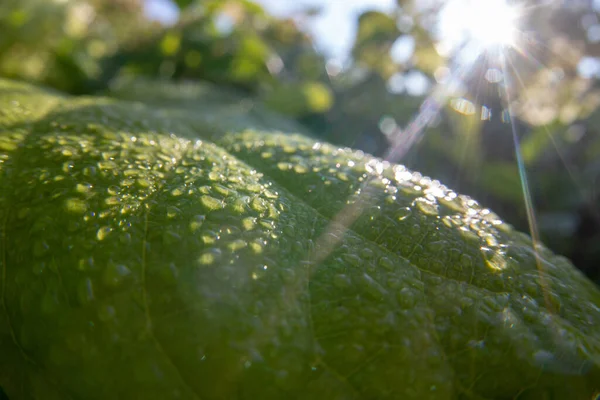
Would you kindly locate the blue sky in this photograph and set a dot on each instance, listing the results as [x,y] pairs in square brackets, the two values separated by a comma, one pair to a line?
[335,27]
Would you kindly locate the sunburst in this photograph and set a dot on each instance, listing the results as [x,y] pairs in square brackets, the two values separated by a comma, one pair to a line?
[473,27]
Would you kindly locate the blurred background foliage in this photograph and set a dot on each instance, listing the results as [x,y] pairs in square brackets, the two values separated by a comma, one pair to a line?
[366,99]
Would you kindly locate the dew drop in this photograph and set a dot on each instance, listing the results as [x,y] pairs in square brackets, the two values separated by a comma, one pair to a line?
[406,298]
[83,188]
[67,152]
[448,221]
[209,237]
[75,206]
[112,201]
[221,190]
[249,223]
[437,246]
[284,166]
[494,259]
[466,260]
[228,231]
[237,245]
[366,253]
[426,207]
[170,237]
[386,263]
[106,313]
[468,235]
[373,288]
[254,188]
[374,166]
[86,264]
[40,248]
[85,291]
[257,204]
[491,241]
[169,273]
[172,212]
[256,247]
[209,257]
[465,302]
[125,238]
[196,223]
[415,229]
[353,260]
[270,194]
[238,206]
[403,213]
[127,182]
[289,149]
[300,169]
[289,231]
[342,176]
[273,212]
[393,284]
[103,232]
[127,208]
[288,276]
[176,192]
[115,274]
[210,203]
[107,165]
[341,281]
[143,183]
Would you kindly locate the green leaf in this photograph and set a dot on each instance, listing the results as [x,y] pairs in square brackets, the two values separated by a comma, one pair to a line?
[183,3]
[160,252]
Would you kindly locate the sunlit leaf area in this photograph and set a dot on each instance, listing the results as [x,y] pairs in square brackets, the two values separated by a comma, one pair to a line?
[498,100]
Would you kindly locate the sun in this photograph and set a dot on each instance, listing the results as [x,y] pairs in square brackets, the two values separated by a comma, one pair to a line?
[477,26]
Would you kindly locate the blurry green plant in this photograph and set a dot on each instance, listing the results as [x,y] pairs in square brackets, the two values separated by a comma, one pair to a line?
[62,43]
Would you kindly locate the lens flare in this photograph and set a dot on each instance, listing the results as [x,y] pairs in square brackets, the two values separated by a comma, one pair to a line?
[477,26]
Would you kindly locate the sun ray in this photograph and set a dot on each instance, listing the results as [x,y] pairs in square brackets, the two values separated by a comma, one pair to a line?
[527,198]
[463,157]
[542,45]
[492,47]
[516,74]
[588,202]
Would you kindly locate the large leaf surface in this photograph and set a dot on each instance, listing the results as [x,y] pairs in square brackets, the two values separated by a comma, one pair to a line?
[182,248]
